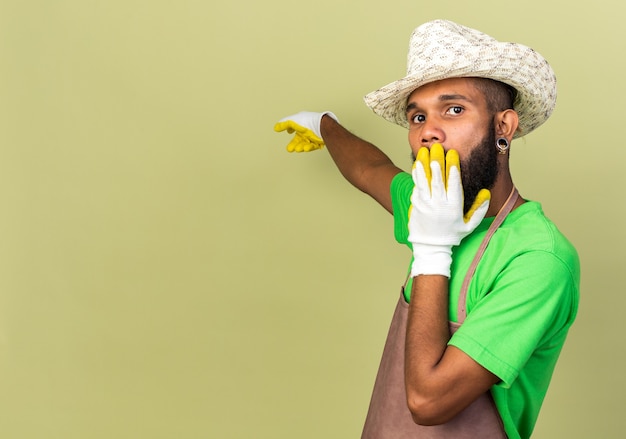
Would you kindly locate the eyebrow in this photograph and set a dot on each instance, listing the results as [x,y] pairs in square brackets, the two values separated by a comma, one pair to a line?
[441,98]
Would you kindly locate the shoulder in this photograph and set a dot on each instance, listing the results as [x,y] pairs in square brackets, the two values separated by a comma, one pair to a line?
[528,229]
[529,266]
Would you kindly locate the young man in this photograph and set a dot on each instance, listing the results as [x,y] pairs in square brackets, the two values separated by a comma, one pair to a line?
[482,255]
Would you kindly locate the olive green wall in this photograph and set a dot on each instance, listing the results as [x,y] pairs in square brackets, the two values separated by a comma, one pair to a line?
[168,270]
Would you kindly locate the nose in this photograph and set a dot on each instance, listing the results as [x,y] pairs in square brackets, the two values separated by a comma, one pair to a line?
[431,133]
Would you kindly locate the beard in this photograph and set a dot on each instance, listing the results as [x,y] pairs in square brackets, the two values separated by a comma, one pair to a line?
[480,169]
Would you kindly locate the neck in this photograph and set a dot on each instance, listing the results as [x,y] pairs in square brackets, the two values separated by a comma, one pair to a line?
[500,193]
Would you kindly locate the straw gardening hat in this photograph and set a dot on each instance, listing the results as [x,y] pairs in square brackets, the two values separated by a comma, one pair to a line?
[441,49]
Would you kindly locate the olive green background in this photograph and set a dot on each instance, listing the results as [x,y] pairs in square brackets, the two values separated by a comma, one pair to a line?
[168,270]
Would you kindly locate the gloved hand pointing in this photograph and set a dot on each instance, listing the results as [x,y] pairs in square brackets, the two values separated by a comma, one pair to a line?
[436,220]
[306,126]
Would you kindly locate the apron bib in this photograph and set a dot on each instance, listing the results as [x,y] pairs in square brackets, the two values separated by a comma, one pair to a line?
[388,416]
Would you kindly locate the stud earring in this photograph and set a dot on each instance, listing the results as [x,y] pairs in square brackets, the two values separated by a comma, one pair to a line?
[502,145]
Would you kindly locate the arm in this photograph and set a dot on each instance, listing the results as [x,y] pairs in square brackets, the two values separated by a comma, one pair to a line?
[365,166]
[361,163]
[441,380]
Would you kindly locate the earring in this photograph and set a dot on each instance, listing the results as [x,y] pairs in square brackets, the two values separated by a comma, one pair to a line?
[502,145]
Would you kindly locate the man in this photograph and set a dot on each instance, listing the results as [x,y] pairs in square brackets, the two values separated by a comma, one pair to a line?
[482,255]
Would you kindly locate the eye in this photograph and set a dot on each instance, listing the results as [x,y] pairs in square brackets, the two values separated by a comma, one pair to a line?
[455,110]
[418,118]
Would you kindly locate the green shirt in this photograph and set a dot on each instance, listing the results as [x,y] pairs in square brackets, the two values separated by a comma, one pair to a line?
[520,304]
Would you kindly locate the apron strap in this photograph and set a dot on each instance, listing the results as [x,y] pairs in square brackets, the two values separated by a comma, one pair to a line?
[504,211]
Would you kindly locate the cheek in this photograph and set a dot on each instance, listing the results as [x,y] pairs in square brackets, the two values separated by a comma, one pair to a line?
[414,141]
[414,153]
[465,141]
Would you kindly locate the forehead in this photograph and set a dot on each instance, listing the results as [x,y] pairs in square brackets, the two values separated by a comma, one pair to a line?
[452,87]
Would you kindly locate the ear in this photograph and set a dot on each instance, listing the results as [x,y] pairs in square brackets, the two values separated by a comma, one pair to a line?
[506,123]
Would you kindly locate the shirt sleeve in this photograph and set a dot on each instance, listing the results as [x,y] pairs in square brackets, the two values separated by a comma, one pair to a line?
[401,189]
[528,310]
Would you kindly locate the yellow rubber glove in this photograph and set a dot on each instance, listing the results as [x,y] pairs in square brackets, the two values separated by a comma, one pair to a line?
[436,220]
[306,126]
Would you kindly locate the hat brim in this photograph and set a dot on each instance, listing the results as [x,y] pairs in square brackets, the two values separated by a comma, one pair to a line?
[514,64]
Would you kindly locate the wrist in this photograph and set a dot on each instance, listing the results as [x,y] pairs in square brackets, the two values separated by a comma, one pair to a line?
[327,121]
[431,259]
